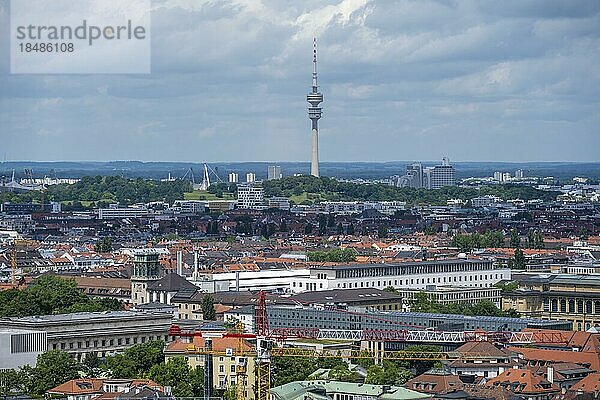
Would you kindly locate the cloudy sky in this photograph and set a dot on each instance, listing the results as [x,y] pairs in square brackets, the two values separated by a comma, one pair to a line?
[403,80]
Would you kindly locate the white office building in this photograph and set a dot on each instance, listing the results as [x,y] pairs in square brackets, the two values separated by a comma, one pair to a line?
[116,212]
[250,195]
[241,281]
[485,201]
[439,176]
[190,206]
[412,275]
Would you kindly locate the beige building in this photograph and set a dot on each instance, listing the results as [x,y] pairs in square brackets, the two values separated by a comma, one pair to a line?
[224,366]
[572,298]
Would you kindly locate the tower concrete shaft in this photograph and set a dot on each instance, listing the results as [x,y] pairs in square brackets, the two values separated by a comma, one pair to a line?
[314,98]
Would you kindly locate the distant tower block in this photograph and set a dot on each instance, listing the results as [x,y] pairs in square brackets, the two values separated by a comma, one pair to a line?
[314,98]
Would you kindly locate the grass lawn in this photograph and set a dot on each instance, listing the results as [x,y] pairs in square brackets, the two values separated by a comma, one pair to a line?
[312,197]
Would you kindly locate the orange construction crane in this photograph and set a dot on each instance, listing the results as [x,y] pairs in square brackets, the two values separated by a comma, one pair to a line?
[265,347]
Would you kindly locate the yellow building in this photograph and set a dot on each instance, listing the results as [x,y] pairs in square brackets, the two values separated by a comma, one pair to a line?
[224,367]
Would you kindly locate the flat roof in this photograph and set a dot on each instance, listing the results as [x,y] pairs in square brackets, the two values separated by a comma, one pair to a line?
[402,264]
[346,295]
[16,331]
[86,316]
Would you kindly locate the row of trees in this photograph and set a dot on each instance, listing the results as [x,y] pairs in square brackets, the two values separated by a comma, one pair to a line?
[422,302]
[334,255]
[144,360]
[109,189]
[331,189]
[472,241]
[290,369]
[468,242]
[51,295]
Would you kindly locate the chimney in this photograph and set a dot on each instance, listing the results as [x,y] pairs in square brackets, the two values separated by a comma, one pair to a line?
[179,263]
[550,374]
[168,388]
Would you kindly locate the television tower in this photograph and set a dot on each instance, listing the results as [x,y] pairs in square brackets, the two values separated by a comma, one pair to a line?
[314,113]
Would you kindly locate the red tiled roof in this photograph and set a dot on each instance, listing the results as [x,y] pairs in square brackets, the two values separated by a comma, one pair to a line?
[523,381]
[583,358]
[589,384]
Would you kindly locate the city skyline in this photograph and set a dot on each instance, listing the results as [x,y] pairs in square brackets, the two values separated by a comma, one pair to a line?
[404,81]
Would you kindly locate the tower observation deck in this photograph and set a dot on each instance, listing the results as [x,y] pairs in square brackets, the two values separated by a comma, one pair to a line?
[314,98]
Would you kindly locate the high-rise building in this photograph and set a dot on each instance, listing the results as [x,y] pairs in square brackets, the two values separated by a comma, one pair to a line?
[250,195]
[314,98]
[498,176]
[439,176]
[234,177]
[519,174]
[274,172]
[506,177]
[250,177]
[414,174]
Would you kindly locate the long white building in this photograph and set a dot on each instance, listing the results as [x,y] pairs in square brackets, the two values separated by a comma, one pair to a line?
[268,279]
[411,275]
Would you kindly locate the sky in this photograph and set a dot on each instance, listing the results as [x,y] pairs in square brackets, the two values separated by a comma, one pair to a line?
[402,80]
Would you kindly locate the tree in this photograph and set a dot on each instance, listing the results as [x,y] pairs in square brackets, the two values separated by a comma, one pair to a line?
[91,364]
[12,382]
[389,373]
[390,289]
[382,231]
[177,373]
[53,368]
[515,240]
[350,230]
[518,260]
[51,295]
[322,224]
[331,220]
[308,229]
[507,287]
[208,308]
[334,255]
[421,366]
[104,245]
[135,361]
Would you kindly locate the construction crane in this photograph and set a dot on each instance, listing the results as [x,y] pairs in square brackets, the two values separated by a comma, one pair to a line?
[266,345]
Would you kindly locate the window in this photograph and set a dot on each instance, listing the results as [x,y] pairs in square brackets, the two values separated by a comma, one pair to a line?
[221,368]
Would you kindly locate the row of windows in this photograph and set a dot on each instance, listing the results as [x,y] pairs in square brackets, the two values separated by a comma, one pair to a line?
[423,281]
[413,269]
[28,342]
[106,342]
[572,306]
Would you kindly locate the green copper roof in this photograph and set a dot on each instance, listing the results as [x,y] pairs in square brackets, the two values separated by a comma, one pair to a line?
[324,390]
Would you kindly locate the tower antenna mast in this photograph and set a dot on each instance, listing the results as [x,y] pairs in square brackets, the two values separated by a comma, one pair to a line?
[314,98]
